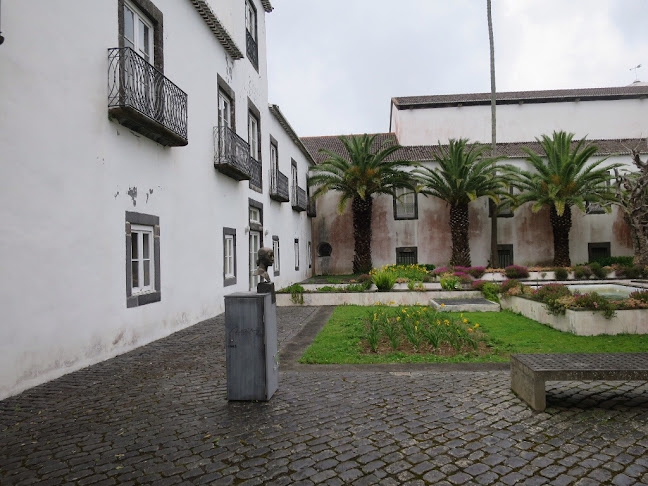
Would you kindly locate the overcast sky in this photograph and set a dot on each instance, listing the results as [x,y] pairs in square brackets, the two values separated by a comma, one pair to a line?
[334,65]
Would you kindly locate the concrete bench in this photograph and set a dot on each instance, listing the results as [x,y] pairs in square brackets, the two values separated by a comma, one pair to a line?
[529,372]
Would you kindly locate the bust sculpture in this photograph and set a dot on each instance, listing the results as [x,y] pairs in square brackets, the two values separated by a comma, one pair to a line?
[265,259]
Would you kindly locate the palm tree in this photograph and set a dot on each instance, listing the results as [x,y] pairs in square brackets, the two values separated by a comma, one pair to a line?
[364,171]
[462,176]
[563,177]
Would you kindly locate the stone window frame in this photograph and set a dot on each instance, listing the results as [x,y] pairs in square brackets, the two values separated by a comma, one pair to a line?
[395,197]
[253,225]
[505,247]
[296,247]
[154,15]
[141,219]
[229,232]
[277,256]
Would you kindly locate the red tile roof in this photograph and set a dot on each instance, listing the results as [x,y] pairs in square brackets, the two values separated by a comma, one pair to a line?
[424,152]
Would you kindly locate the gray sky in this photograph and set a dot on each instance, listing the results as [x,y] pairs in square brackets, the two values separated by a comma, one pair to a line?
[334,65]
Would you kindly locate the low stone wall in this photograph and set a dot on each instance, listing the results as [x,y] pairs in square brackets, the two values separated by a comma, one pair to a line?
[371,298]
[581,323]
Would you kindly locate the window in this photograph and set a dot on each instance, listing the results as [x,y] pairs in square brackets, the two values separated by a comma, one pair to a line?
[504,255]
[255,213]
[598,250]
[310,255]
[324,249]
[406,255]
[229,256]
[405,204]
[142,259]
[225,110]
[274,160]
[596,208]
[253,136]
[141,29]
[255,244]
[296,254]
[251,33]
[293,183]
[275,249]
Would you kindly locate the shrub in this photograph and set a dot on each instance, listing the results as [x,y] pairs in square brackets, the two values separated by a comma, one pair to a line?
[428,266]
[551,291]
[598,270]
[476,272]
[633,271]
[641,295]
[595,302]
[582,272]
[441,270]
[427,278]
[561,273]
[607,261]
[415,285]
[384,280]
[463,278]
[364,278]
[327,288]
[516,271]
[449,282]
[358,287]
[490,290]
[508,285]
[478,284]
[296,293]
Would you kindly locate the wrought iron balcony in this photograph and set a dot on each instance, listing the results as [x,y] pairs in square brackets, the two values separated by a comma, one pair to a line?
[252,49]
[256,181]
[142,99]
[231,154]
[311,211]
[299,200]
[279,186]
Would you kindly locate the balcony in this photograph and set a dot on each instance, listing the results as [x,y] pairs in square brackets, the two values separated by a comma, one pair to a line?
[231,154]
[279,186]
[142,99]
[252,49]
[311,210]
[256,181]
[299,200]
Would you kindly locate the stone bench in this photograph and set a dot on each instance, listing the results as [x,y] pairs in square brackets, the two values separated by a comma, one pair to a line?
[529,372]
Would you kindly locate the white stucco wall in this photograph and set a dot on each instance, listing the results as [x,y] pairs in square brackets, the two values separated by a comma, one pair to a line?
[69,175]
[522,122]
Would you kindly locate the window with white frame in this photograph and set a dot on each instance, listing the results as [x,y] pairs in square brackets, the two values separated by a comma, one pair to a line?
[405,204]
[277,260]
[310,255]
[253,135]
[229,256]
[142,259]
[138,32]
[296,254]
[251,19]
[255,215]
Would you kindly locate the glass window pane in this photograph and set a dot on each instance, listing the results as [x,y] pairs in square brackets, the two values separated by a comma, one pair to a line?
[147,272]
[134,246]
[144,40]
[129,26]
[135,271]
[146,248]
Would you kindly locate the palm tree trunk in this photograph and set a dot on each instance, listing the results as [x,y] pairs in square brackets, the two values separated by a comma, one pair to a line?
[561,226]
[459,226]
[491,41]
[362,209]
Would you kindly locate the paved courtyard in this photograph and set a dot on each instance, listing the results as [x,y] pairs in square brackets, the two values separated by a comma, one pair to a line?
[159,415]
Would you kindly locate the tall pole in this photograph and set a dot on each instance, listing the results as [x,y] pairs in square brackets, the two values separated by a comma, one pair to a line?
[493,206]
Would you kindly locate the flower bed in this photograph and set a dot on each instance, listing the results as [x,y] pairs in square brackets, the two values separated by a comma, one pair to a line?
[580,322]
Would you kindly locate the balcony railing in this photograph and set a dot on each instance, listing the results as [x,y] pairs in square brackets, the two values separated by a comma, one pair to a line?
[231,154]
[311,211]
[256,181]
[252,49]
[299,200]
[142,99]
[278,186]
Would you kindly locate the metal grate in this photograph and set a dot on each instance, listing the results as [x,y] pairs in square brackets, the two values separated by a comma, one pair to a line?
[279,186]
[231,154]
[406,255]
[252,49]
[136,84]
[256,180]
[299,199]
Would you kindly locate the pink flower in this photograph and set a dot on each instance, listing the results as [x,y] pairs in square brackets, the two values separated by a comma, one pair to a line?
[595,305]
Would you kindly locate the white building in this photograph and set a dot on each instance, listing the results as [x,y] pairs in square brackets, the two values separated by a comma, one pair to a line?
[415,228]
[139,176]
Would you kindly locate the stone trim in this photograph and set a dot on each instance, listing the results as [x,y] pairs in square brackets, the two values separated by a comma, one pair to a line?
[154,14]
[150,297]
[217,29]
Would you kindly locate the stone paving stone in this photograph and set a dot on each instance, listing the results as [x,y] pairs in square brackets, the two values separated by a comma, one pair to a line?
[159,415]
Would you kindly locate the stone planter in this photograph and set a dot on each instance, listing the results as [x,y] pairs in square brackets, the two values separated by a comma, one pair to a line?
[371,297]
[581,323]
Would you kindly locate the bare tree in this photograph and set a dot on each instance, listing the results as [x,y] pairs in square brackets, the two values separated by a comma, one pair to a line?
[632,198]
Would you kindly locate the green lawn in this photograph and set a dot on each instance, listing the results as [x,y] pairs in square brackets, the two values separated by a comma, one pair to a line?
[506,333]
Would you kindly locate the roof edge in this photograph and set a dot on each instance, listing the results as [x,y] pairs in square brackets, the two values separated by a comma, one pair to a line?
[217,29]
[276,112]
[267,6]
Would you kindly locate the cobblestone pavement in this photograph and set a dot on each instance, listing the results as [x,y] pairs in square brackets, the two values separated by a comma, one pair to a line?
[158,415]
